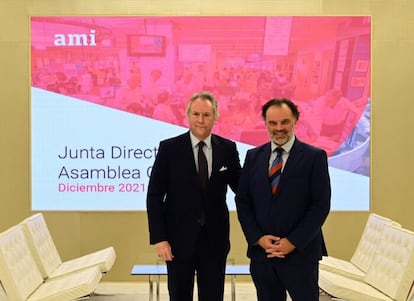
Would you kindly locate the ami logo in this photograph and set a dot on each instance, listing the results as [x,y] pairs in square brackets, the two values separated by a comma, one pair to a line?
[76,39]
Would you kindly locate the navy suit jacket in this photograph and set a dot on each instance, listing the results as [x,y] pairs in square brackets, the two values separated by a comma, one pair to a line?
[299,208]
[175,197]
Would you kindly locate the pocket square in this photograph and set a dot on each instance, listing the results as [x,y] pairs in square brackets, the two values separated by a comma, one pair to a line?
[223,168]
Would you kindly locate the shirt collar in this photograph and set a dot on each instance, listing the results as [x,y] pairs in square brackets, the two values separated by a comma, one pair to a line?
[195,140]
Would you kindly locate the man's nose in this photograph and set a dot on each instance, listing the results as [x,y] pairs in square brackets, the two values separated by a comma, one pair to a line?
[278,127]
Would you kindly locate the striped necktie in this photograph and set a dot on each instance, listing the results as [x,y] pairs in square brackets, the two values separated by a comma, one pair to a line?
[276,170]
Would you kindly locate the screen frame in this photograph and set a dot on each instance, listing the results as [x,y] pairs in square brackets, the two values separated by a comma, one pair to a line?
[136,43]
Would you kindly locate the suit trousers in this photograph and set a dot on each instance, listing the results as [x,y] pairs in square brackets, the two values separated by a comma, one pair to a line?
[274,278]
[209,270]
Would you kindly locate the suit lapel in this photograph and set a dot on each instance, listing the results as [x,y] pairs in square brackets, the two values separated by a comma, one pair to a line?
[290,164]
[187,153]
[262,167]
[293,159]
[264,162]
[216,154]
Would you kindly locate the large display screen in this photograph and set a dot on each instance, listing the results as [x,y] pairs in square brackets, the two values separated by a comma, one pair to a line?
[106,90]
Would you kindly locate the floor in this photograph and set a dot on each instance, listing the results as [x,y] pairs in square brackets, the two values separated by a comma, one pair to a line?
[139,291]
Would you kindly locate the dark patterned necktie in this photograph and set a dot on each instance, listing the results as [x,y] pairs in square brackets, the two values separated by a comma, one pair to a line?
[276,170]
[202,165]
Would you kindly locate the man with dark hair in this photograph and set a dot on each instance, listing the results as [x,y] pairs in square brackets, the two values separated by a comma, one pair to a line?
[282,202]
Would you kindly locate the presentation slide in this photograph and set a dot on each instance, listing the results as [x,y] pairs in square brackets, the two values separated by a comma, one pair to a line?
[106,90]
